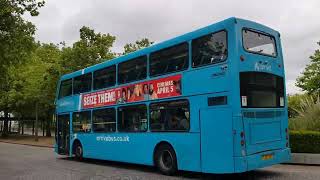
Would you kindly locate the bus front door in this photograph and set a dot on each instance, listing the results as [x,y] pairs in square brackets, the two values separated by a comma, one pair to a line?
[63,135]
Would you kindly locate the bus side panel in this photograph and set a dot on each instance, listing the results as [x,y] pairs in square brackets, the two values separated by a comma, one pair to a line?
[216,140]
[205,80]
[68,104]
[140,147]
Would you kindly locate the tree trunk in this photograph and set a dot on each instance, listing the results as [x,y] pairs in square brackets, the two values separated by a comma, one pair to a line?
[19,124]
[42,126]
[5,123]
[22,126]
[48,125]
[32,128]
[10,123]
[36,123]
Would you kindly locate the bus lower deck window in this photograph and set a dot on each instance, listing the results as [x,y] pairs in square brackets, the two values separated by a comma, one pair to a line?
[170,116]
[104,120]
[81,121]
[132,118]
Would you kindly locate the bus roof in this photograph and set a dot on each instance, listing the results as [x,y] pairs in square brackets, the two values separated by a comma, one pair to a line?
[182,38]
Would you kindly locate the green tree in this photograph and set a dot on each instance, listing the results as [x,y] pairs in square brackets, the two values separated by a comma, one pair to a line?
[16,43]
[34,84]
[16,34]
[139,44]
[92,48]
[309,80]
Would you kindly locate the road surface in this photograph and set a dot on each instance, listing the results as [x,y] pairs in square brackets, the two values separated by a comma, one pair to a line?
[27,162]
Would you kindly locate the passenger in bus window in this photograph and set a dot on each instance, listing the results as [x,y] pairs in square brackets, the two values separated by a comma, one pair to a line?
[172,122]
[178,120]
[182,119]
[135,122]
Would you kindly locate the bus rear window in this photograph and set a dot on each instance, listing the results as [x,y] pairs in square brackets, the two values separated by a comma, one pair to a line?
[261,90]
[259,43]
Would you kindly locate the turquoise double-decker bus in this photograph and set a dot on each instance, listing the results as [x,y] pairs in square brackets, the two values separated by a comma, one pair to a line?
[212,100]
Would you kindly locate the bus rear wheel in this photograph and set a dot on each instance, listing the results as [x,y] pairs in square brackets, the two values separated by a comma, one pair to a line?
[78,151]
[166,160]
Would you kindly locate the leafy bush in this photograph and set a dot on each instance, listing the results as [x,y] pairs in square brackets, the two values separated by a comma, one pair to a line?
[305,141]
[294,103]
[308,114]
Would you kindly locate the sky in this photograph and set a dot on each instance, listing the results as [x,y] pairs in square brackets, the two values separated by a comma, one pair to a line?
[130,20]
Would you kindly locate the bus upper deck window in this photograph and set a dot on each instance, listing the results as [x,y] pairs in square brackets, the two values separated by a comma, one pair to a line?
[169,60]
[132,70]
[104,78]
[65,88]
[209,49]
[256,42]
[82,83]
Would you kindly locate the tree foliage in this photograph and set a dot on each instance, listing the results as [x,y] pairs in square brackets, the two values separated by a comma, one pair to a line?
[30,71]
[16,34]
[309,80]
[139,44]
[92,48]
[16,44]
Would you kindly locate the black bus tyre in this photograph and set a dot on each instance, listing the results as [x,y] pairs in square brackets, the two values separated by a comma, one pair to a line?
[78,151]
[166,160]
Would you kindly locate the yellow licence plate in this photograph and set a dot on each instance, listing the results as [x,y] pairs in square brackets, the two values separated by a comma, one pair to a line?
[267,156]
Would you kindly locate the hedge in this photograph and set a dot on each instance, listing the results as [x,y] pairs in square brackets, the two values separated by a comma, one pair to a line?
[305,141]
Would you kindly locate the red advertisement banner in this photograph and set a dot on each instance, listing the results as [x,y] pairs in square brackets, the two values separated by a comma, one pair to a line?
[154,89]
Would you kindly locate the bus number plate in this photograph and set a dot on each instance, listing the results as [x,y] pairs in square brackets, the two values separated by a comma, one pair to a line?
[267,156]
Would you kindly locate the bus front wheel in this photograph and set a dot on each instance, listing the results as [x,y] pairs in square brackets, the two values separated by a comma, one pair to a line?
[166,160]
[78,151]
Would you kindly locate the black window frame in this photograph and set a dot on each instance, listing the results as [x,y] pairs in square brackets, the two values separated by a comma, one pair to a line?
[113,68]
[142,58]
[90,121]
[185,67]
[169,101]
[102,109]
[74,87]
[60,87]
[119,119]
[262,33]
[217,62]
